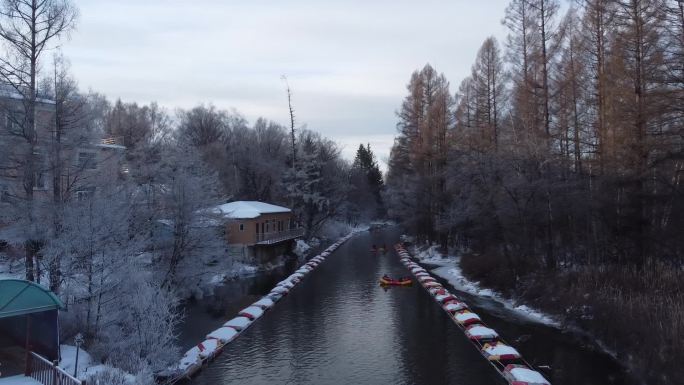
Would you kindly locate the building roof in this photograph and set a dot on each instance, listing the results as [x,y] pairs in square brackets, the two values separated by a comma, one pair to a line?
[19,297]
[248,209]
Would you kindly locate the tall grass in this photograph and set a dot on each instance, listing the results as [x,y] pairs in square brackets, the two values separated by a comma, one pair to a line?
[638,312]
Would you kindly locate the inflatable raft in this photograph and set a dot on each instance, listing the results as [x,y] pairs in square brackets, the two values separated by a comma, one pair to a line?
[396,282]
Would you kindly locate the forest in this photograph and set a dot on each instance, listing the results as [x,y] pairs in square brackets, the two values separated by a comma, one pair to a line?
[125,238]
[556,168]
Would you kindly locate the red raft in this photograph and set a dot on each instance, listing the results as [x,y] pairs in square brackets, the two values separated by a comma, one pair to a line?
[396,282]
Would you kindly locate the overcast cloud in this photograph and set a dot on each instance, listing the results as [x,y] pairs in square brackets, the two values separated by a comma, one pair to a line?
[347,61]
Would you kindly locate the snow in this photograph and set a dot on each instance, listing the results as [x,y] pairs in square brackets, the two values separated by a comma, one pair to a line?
[275,297]
[287,284]
[224,334]
[441,298]
[112,146]
[248,209]
[208,347]
[68,355]
[190,358]
[252,312]
[432,256]
[455,306]
[500,349]
[466,317]
[19,380]
[528,375]
[451,271]
[280,290]
[264,303]
[432,284]
[301,248]
[238,323]
[478,331]
[437,291]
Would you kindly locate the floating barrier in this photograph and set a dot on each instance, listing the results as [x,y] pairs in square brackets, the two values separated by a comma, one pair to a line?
[264,303]
[195,358]
[506,359]
[498,351]
[224,334]
[521,375]
[252,312]
[238,323]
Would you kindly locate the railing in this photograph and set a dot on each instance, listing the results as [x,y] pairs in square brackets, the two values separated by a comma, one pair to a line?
[279,236]
[118,140]
[48,373]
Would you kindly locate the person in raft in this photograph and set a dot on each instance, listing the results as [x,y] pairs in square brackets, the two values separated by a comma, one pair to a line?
[386,277]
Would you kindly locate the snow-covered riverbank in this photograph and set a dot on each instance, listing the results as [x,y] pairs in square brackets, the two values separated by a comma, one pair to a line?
[448,268]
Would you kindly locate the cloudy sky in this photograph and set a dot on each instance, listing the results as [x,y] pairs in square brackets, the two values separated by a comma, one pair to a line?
[347,61]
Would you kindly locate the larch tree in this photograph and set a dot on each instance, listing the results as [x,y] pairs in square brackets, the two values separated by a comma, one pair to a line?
[489,77]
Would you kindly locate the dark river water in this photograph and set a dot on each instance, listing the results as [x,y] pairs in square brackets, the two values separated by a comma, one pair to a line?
[339,326]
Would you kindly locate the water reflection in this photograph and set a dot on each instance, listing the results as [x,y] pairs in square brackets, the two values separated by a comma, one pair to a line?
[340,325]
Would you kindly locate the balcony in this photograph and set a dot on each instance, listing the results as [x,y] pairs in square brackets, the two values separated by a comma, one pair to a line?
[278,236]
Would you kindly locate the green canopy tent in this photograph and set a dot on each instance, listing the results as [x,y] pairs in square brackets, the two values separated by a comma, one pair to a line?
[28,317]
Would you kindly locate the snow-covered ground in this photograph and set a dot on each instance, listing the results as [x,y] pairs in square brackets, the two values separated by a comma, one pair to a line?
[68,360]
[449,269]
[19,380]
[87,369]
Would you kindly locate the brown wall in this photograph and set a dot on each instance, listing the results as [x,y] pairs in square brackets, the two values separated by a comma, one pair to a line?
[247,236]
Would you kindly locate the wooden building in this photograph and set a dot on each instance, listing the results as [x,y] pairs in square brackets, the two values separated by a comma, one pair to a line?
[260,230]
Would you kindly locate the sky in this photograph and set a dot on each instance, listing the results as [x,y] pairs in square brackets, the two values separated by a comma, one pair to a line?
[347,61]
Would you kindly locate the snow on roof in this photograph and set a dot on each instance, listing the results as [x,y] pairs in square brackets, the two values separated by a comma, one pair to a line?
[248,209]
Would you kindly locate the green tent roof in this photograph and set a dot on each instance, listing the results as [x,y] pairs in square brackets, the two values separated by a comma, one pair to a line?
[19,297]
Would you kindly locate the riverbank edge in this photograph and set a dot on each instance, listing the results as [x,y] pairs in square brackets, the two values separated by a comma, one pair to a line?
[449,268]
[200,361]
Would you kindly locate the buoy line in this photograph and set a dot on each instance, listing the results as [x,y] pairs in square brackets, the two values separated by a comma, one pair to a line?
[206,351]
[502,356]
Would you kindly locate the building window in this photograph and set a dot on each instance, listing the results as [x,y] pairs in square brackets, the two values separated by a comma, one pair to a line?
[86,160]
[242,227]
[85,194]
[4,194]
[39,174]
[14,122]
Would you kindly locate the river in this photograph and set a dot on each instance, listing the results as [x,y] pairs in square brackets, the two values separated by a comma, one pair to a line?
[339,326]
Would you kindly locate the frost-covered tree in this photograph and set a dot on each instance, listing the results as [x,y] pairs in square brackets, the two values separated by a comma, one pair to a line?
[188,236]
[29,29]
[318,186]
